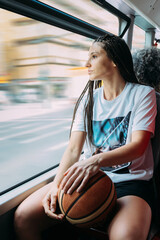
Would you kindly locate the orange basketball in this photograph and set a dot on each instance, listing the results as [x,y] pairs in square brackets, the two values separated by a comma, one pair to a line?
[92,205]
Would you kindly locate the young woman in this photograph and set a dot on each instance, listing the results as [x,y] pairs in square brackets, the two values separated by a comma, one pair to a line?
[113,124]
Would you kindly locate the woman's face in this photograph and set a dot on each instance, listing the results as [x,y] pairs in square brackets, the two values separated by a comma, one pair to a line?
[99,65]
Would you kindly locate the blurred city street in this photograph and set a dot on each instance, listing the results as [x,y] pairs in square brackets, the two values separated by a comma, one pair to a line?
[32,139]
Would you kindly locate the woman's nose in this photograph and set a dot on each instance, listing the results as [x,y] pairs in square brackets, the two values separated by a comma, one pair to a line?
[87,64]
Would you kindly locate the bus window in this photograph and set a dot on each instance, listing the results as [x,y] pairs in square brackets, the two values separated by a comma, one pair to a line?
[41,76]
[89,12]
[138,41]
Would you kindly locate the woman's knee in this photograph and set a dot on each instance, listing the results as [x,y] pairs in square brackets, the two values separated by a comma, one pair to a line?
[132,220]
[21,219]
[31,210]
[127,233]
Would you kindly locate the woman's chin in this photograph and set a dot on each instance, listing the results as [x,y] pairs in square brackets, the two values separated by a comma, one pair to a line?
[93,79]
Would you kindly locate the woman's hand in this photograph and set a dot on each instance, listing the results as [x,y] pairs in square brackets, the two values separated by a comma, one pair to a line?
[78,175]
[50,203]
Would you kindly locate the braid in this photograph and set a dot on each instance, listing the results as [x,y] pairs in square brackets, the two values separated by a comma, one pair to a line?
[77,104]
[89,112]
[88,109]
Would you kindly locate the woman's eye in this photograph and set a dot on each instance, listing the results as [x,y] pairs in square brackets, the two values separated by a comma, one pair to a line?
[94,56]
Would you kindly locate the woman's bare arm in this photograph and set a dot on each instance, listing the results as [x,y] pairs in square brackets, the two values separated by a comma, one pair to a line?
[78,175]
[128,152]
[71,155]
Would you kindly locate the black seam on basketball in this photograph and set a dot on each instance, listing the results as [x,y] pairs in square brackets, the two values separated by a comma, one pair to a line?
[83,194]
[100,213]
[61,205]
[97,215]
[97,207]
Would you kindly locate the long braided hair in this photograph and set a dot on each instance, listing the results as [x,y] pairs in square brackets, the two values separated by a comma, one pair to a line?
[118,51]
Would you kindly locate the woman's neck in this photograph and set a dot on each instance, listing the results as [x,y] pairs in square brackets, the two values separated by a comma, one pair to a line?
[113,87]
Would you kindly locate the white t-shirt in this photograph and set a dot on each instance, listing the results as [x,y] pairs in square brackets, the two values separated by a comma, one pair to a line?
[113,123]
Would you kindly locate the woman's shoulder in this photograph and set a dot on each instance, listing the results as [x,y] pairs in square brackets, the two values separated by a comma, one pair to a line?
[140,89]
[132,89]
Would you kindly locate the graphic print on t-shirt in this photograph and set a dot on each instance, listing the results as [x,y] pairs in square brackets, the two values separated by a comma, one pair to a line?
[110,134]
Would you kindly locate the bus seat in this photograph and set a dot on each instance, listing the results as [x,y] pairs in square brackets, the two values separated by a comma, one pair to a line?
[156,155]
[156,138]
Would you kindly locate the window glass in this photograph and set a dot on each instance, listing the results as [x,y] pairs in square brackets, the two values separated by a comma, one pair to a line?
[89,12]
[42,73]
[138,41]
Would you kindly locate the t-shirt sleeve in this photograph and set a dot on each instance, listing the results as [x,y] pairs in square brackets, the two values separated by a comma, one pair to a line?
[145,112]
[78,124]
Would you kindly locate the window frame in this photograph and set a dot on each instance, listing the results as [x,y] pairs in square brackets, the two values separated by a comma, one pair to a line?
[121,16]
[11,199]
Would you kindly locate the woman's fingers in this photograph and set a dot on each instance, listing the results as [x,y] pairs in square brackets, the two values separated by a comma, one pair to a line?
[53,203]
[78,175]
[83,183]
[67,177]
[75,184]
[46,203]
[71,180]
[54,215]
[49,204]
[67,171]
[86,178]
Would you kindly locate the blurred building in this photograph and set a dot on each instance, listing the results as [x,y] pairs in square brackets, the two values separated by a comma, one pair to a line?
[36,55]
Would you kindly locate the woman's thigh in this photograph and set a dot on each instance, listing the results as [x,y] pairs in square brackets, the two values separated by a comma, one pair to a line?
[31,210]
[132,220]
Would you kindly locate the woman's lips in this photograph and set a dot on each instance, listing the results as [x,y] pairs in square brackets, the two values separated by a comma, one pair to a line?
[90,71]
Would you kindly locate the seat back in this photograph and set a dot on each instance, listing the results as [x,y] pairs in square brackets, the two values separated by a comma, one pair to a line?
[156,156]
[156,139]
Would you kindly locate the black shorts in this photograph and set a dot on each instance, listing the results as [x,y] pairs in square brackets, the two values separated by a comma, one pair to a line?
[139,188]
